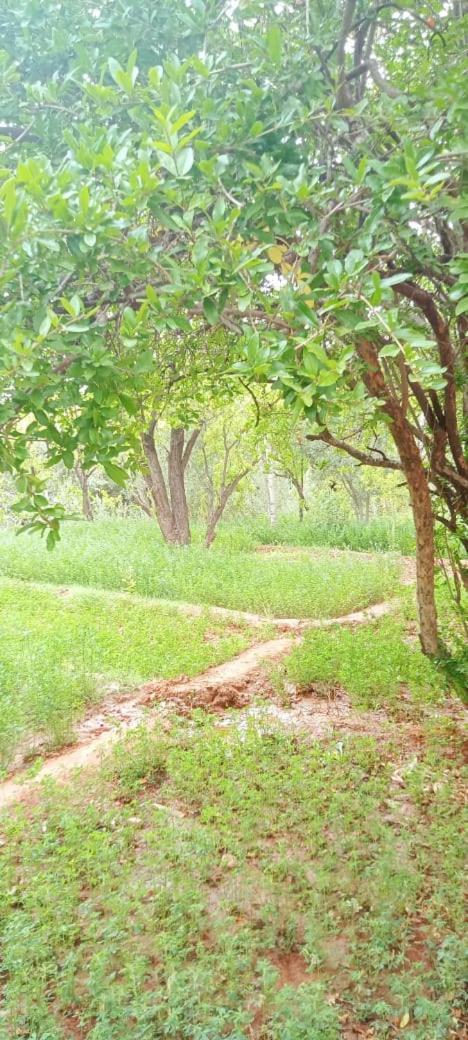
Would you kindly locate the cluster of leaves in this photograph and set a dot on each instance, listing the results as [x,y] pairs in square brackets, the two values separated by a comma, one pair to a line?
[170,172]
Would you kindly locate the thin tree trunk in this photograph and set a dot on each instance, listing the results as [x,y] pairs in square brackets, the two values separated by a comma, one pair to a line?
[298,484]
[216,513]
[169,497]
[85,495]
[354,496]
[156,485]
[271,497]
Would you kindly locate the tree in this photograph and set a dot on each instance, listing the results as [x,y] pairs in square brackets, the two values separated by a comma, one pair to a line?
[232,444]
[287,454]
[187,378]
[229,441]
[299,187]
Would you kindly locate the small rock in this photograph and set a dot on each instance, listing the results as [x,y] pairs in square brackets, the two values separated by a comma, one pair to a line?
[229,861]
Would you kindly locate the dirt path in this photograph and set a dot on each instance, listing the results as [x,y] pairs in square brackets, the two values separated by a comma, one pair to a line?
[116,719]
[224,686]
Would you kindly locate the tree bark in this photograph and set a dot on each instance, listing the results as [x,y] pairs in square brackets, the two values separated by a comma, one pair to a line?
[85,495]
[157,487]
[217,512]
[420,497]
[176,478]
[298,485]
[271,497]
[169,496]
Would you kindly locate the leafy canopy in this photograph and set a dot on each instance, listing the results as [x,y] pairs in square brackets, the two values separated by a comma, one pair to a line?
[275,170]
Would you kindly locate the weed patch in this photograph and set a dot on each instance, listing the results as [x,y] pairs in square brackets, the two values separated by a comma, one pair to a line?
[59,652]
[129,556]
[283,903]
[373,662]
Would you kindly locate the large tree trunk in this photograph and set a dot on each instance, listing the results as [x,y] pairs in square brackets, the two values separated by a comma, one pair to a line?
[157,487]
[420,497]
[169,497]
[176,477]
[425,552]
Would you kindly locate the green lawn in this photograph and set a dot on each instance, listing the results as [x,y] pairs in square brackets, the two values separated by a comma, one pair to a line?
[58,650]
[302,890]
[130,556]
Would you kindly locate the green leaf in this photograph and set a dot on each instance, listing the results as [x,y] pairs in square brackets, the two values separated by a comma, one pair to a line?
[354,261]
[115,69]
[152,295]
[273,41]
[168,162]
[210,310]
[116,473]
[182,120]
[394,279]
[462,306]
[144,362]
[84,200]
[129,403]
[184,161]
[45,326]
[52,538]
[335,268]
[8,195]
[390,350]
[327,377]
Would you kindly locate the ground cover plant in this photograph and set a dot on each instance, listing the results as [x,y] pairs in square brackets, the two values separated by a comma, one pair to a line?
[61,649]
[293,889]
[374,536]
[348,657]
[129,555]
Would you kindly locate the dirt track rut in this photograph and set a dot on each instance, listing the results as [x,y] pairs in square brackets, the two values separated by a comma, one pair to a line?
[98,732]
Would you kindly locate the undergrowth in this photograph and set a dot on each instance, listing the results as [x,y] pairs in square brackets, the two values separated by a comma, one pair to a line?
[129,555]
[377,535]
[122,921]
[60,650]
[380,664]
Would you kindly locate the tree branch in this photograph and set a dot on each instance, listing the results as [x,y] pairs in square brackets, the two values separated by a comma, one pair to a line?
[190,446]
[363,457]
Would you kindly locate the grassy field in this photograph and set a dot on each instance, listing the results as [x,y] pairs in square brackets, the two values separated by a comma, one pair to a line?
[240,882]
[58,652]
[300,893]
[129,555]
[377,535]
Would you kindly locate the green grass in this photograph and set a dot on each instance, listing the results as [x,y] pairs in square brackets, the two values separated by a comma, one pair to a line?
[378,535]
[121,922]
[373,662]
[130,556]
[58,651]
